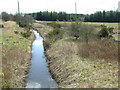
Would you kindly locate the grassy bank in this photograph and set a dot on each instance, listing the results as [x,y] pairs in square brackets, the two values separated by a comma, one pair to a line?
[74,71]
[0,53]
[16,54]
[75,64]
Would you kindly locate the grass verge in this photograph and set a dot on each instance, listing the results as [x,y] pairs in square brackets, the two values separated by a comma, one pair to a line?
[16,54]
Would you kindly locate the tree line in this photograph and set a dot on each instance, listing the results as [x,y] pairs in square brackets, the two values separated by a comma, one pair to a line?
[104,16]
[99,16]
[56,16]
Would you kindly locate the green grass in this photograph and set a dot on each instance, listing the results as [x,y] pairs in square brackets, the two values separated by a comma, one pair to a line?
[9,39]
[16,51]
[114,25]
[71,70]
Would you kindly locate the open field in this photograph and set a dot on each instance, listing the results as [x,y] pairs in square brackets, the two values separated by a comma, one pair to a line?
[114,25]
[16,54]
[74,64]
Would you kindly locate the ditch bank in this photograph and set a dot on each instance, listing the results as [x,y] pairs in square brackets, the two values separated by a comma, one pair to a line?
[70,70]
[55,63]
[16,54]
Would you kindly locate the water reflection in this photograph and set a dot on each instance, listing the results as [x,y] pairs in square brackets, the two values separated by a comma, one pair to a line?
[39,76]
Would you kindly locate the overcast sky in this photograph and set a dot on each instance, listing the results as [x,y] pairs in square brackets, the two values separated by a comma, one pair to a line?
[83,6]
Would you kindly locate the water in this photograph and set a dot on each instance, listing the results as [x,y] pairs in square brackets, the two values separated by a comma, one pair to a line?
[39,76]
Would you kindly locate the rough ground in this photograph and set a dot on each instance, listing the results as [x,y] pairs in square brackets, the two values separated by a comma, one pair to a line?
[16,54]
[71,70]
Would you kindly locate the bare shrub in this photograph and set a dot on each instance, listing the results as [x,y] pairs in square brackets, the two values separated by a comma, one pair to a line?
[99,50]
[82,31]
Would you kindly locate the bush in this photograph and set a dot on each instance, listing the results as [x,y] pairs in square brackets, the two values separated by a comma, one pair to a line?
[26,33]
[75,30]
[54,25]
[54,35]
[110,30]
[83,31]
[5,16]
[1,26]
[24,25]
[24,21]
[16,32]
[103,32]
[110,36]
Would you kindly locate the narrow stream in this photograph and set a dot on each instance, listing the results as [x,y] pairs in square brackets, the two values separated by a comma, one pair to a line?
[39,75]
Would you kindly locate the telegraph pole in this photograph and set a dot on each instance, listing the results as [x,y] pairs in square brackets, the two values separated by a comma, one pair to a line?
[18,8]
[18,14]
[119,6]
[75,11]
[75,8]
[119,20]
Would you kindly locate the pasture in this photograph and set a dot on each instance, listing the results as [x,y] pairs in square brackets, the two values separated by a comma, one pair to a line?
[114,25]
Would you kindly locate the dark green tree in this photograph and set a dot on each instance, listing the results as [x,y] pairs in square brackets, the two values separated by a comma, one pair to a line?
[103,32]
[5,16]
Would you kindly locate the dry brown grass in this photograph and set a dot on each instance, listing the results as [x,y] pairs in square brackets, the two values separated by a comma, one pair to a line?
[9,23]
[16,54]
[70,70]
[15,63]
[0,54]
[107,50]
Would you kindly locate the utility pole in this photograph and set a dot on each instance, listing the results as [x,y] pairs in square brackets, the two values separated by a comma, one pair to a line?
[119,20]
[119,6]
[75,11]
[18,14]
[75,8]
[18,8]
